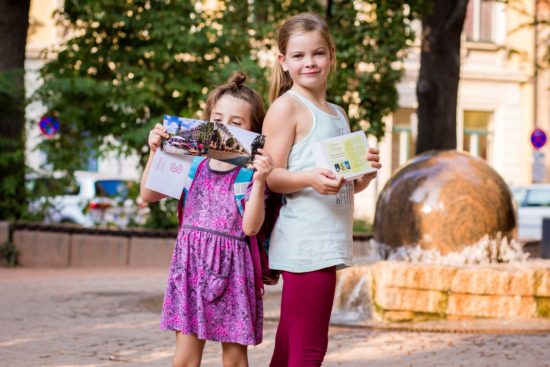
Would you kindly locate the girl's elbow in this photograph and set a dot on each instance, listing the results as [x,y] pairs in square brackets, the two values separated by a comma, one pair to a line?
[146,196]
[250,231]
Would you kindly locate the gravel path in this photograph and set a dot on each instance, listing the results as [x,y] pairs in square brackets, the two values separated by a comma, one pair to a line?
[110,317]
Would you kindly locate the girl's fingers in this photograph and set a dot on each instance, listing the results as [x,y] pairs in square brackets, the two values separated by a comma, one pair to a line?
[376,165]
[327,173]
[374,151]
[373,157]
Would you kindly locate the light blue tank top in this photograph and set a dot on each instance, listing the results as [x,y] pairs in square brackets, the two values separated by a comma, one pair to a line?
[313,231]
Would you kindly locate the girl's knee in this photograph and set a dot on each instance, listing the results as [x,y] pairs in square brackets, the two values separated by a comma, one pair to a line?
[234,355]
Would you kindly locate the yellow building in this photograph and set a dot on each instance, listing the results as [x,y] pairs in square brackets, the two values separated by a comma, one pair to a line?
[496,98]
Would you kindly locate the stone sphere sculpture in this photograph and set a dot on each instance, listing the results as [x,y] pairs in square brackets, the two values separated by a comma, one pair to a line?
[444,200]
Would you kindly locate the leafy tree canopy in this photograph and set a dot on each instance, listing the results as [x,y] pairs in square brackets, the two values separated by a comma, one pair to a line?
[127,63]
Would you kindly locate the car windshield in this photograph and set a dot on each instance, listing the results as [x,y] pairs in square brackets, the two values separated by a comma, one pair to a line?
[538,197]
[519,195]
[112,188]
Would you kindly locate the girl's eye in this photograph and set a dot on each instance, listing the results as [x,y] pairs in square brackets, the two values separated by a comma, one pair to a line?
[296,56]
[236,123]
[319,53]
[217,120]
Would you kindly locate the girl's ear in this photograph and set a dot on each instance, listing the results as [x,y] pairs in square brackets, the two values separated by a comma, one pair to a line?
[281,60]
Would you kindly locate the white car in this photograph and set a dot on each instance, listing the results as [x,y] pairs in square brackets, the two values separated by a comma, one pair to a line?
[91,200]
[533,205]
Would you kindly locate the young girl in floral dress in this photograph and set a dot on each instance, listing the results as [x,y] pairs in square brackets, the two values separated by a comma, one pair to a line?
[211,292]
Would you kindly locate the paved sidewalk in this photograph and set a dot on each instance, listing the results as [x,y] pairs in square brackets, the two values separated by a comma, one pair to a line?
[110,317]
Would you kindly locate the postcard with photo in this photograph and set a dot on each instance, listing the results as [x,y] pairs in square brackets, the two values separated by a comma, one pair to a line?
[344,155]
[168,173]
[212,139]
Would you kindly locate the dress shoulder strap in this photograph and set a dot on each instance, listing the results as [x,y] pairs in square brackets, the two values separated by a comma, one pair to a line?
[196,165]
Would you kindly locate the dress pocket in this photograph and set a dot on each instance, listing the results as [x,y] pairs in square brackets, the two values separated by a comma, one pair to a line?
[216,275]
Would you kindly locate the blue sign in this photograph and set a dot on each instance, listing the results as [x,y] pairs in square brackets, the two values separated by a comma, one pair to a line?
[538,138]
[49,125]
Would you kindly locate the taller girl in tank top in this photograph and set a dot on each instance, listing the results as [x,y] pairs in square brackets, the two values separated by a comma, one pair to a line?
[313,231]
[313,234]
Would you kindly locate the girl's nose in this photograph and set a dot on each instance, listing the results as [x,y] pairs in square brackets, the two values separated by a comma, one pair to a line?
[310,62]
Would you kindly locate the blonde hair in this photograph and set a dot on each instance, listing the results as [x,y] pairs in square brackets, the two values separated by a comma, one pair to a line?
[235,87]
[301,23]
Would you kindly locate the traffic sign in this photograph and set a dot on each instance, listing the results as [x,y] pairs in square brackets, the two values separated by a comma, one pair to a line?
[49,125]
[538,138]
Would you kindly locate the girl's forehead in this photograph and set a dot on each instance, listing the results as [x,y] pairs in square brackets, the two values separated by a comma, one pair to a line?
[228,104]
[313,39]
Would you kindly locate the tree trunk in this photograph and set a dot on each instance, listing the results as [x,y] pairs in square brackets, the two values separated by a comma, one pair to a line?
[14,22]
[437,86]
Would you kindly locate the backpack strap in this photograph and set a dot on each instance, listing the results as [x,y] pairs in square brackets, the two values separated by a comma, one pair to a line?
[240,185]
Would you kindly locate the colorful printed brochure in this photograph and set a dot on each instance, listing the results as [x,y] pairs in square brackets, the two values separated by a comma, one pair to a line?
[211,139]
[344,155]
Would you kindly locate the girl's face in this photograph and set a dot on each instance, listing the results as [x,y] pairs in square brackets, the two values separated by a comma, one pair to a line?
[308,59]
[232,111]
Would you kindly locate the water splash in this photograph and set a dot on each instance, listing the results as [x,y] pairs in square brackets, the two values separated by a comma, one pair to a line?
[499,249]
[486,251]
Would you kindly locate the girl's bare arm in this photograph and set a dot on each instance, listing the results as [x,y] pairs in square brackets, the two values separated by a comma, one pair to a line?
[280,130]
[154,140]
[254,213]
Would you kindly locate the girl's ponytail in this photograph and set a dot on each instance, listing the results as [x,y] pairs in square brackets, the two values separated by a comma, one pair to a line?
[280,82]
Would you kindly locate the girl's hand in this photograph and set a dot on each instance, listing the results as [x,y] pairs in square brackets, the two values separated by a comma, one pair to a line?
[362,182]
[324,181]
[156,135]
[374,157]
[263,163]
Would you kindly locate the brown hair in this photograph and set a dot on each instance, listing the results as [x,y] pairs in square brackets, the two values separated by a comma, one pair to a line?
[235,87]
[301,23]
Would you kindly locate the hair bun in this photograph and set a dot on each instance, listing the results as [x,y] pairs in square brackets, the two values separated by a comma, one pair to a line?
[238,78]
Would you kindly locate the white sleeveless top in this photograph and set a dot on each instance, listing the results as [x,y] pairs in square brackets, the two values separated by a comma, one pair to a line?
[313,231]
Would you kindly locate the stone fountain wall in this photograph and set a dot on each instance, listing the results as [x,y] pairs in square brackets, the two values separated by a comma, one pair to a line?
[402,291]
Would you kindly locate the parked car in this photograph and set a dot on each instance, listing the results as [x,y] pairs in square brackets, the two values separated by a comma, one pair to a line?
[91,199]
[533,203]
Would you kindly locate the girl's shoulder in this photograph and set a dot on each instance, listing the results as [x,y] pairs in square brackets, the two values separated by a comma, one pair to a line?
[285,108]
[284,103]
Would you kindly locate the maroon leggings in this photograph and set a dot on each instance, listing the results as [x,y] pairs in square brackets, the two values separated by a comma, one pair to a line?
[306,304]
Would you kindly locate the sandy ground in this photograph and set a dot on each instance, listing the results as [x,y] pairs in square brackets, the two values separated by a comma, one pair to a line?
[110,317]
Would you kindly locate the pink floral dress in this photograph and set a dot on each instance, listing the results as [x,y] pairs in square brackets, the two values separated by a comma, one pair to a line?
[210,289]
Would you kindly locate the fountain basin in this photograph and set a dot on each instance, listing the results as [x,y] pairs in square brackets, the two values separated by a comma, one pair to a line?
[403,291]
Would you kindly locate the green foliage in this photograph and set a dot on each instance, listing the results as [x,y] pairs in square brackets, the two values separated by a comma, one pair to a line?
[12,146]
[371,40]
[9,254]
[132,61]
[162,215]
[361,226]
